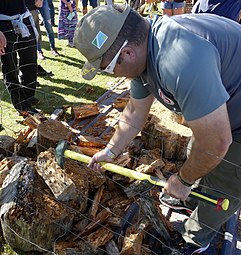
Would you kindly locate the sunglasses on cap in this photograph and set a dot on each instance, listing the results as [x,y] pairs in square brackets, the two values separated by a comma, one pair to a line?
[110,68]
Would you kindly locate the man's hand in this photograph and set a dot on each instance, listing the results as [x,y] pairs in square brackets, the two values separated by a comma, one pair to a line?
[176,189]
[3,43]
[100,156]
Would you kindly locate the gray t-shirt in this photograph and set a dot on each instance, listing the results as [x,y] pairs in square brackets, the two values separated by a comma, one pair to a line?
[193,66]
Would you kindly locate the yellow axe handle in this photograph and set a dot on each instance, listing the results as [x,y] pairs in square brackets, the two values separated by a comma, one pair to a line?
[221,203]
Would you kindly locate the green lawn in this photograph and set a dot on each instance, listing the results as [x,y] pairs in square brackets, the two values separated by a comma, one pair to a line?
[66,87]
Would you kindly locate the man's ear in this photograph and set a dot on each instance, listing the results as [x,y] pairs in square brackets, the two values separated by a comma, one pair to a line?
[128,53]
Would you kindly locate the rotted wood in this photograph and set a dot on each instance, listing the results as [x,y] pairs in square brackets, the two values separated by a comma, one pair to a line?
[132,243]
[137,188]
[152,213]
[165,130]
[62,187]
[96,201]
[111,248]
[6,145]
[30,212]
[50,132]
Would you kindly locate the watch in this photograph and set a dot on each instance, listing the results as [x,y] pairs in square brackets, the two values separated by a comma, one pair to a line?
[109,153]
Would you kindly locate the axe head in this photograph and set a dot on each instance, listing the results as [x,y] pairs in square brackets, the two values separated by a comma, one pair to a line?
[59,152]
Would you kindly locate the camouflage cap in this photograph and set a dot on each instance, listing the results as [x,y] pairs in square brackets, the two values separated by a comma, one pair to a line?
[95,33]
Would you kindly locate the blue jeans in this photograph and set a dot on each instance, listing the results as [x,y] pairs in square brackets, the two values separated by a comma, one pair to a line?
[51,9]
[45,13]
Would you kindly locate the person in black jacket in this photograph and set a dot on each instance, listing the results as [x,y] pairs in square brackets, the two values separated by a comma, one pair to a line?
[19,63]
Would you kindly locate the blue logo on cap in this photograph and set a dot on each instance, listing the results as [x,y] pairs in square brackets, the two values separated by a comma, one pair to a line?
[99,40]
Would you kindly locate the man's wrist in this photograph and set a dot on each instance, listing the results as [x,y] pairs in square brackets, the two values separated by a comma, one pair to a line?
[110,153]
[183,181]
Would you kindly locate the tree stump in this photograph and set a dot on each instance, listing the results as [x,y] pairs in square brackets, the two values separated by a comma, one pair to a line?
[31,218]
[50,133]
[164,130]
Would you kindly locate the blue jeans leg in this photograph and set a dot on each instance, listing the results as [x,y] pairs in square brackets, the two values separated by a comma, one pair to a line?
[45,13]
[51,9]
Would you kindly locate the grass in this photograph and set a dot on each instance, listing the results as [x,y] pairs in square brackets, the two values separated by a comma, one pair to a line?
[66,87]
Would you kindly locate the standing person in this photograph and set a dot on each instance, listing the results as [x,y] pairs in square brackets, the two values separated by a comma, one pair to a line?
[93,4]
[191,64]
[52,12]
[173,7]
[33,6]
[20,54]
[45,13]
[226,8]
[67,21]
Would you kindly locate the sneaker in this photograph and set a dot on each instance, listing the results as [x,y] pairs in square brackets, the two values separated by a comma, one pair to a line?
[41,55]
[54,52]
[43,73]
[174,203]
[190,249]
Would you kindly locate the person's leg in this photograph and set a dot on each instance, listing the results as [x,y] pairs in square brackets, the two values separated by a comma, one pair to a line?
[178,8]
[202,225]
[44,11]
[10,68]
[93,3]
[27,51]
[84,4]
[166,8]
[52,12]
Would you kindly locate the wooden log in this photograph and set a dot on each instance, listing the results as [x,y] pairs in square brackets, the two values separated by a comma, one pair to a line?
[84,111]
[151,211]
[102,216]
[111,248]
[31,218]
[50,133]
[133,239]
[5,166]
[62,187]
[6,145]
[96,201]
[100,237]
[164,130]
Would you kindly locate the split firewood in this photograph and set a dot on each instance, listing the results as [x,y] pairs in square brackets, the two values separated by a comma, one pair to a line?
[100,237]
[164,130]
[151,211]
[33,121]
[34,139]
[133,239]
[80,112]
[6,145]
[101,217]
[121,102]
[62,187]
[90,141]
[111,248]
[23,134]
[5,166]
[95,204]
[114,221]
[89,151]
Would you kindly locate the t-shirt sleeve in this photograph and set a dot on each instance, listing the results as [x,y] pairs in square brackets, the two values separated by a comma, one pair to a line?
[197,85]
[137,89]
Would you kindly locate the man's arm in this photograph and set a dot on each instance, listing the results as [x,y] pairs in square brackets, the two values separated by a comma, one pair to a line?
[3,43]
[131,122]
[212,138]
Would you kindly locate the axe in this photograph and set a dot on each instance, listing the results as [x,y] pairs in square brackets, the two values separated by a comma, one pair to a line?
[62,152]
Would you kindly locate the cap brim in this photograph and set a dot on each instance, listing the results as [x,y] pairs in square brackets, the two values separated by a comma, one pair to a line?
[90,69]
